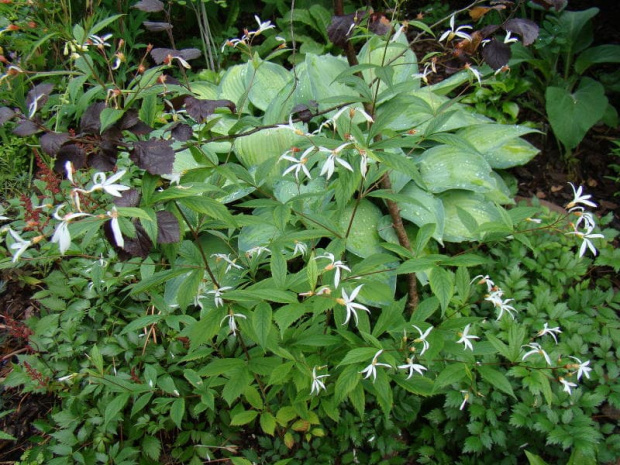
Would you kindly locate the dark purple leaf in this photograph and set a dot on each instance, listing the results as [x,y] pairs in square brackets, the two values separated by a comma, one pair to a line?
[489,30]
[199,109]
[167,228]
[528,30]
[128,198]
[37,97]
[129,119]
[496,54]
[165,55]
[52,141]
[341,27]
[141,129]
[70,152]
[149,6]
[5,115]
[156,26]
[182,132]
[379,24]
[91,119]
[546,4]
[103,160]
[155,156]
[138,246]
[303,112]
[26,128]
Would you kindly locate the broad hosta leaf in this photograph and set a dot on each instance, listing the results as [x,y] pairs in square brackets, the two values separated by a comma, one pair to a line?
[572,114]
[256,148]
[474,205]
[398,54]
[448,167]
[317,79]
[155,155]
[363,239]
[424,209]
[500,144]
[265,81]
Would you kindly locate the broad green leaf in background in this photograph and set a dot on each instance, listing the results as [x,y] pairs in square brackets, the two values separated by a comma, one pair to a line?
[424,209]
[607,53]
[265,81]
[398,54]
[474,204]
[500,144]
[363,239]
[572,114]
[447,167]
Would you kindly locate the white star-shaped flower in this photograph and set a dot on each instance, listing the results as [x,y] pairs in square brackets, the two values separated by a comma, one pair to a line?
[350,305]
[465,338]
[317,384]
[412,367]
[371,370]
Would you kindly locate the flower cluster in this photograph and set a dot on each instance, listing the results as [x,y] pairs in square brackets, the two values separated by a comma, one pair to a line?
[248,36]
[584,226]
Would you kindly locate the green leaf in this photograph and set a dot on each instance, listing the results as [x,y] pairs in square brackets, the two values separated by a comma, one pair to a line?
[141,323]
[239,461]
[114,407]
[104,23]
[312,271]
[278,268]
[534,459]
[496,379]
[261,322]
[346,382]
[204,329]
[359,355]
[210,207]
[6,437]
[274,295]
[96,359]
[601,54]
[109,116]
[240,378]
[151,446]
[572,114]
[268,423]
[243,418]
[442,285]
[500,347]
[451,374]
[177,411]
